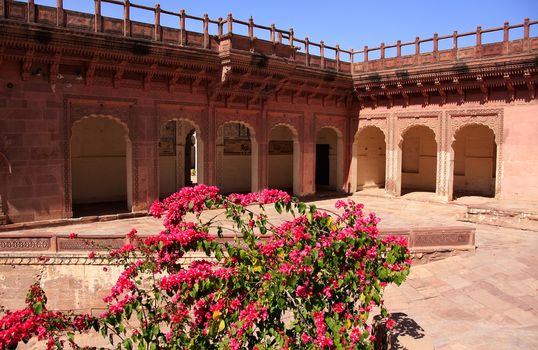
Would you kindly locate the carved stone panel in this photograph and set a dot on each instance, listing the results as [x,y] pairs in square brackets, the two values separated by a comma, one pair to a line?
[24,244]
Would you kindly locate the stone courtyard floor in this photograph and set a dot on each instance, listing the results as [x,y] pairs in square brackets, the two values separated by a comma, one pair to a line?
[482,300]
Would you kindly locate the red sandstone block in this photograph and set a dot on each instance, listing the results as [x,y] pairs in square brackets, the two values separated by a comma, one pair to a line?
[15,126]
[21,192]
[16,103]
[17,153]
[48,190]
[41,153]
[46,179]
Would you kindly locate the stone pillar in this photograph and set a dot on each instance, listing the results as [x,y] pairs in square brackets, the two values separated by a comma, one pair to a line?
[143,158]
[219,158]
[263,150]
[393,171]
[180,154]
[308,156]
[445,162]
[211,147]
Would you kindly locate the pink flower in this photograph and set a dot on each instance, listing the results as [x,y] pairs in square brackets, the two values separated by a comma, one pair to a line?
[72,235]
[390,323]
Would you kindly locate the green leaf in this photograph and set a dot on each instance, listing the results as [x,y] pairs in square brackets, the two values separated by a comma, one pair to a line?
[127,344]
[38,308]
[278,207]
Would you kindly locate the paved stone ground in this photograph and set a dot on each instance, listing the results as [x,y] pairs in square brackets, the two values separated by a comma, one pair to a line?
[482,300]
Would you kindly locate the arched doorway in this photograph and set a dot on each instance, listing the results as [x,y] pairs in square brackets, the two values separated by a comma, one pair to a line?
[237,158]
[100,167]
[419,160]
[180,156]
[329,161]
[475,165]
[371,158]
[283,159]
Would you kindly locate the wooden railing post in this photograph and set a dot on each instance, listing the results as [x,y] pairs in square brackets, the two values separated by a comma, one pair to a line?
[97,18]
[31,11]
[366,53]
[337,57]
[435,42]
[273,29]
[60,13]
[251,28]
[126,18]
[182,33]
[399,48]
[206,31]
[382,51]
[230,23]
[307,51]
[455,44]
[526,34]
[478,49]
[322,53]
[417,46]
[220,25]
[506,37]
[291,37]
[352,60]
[157,34]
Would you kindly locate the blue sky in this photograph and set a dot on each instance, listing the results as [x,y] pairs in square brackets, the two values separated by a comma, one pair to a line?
[347,22]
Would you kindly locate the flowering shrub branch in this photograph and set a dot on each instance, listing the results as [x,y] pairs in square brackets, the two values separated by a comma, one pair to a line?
[309,282]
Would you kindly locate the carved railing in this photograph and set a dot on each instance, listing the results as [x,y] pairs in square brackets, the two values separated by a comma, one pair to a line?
[281,43]
[477,51]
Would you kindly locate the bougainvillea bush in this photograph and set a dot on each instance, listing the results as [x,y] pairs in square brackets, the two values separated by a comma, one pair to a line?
[308,282]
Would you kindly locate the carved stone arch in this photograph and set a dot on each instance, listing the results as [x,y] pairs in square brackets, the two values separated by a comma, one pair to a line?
[180,160]
[492,118]
[296,161]
[406,128]
[364,127]
[123,123]
[339,131]
[379,122]
[193,123]
[355,169]
[405,122]
[339,181]
[293,129]
[131,175]
[219,144]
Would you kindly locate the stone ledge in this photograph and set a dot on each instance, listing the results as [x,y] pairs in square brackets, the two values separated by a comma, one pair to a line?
[425,243]
[72,221]
[505,217]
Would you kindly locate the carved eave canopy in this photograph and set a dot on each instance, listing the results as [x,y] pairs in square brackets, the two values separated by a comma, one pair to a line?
[404,86]
[90,53]
[256,76]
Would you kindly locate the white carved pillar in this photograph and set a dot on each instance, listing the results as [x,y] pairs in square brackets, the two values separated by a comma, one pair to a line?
[445,160]
[393,174]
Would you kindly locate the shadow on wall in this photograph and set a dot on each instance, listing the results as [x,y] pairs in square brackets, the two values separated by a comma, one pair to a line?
[406,334]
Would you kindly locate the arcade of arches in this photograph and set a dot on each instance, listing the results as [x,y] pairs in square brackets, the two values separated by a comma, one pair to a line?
[113,122]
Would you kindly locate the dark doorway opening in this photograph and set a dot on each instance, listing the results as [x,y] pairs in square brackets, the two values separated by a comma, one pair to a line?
[322,166]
